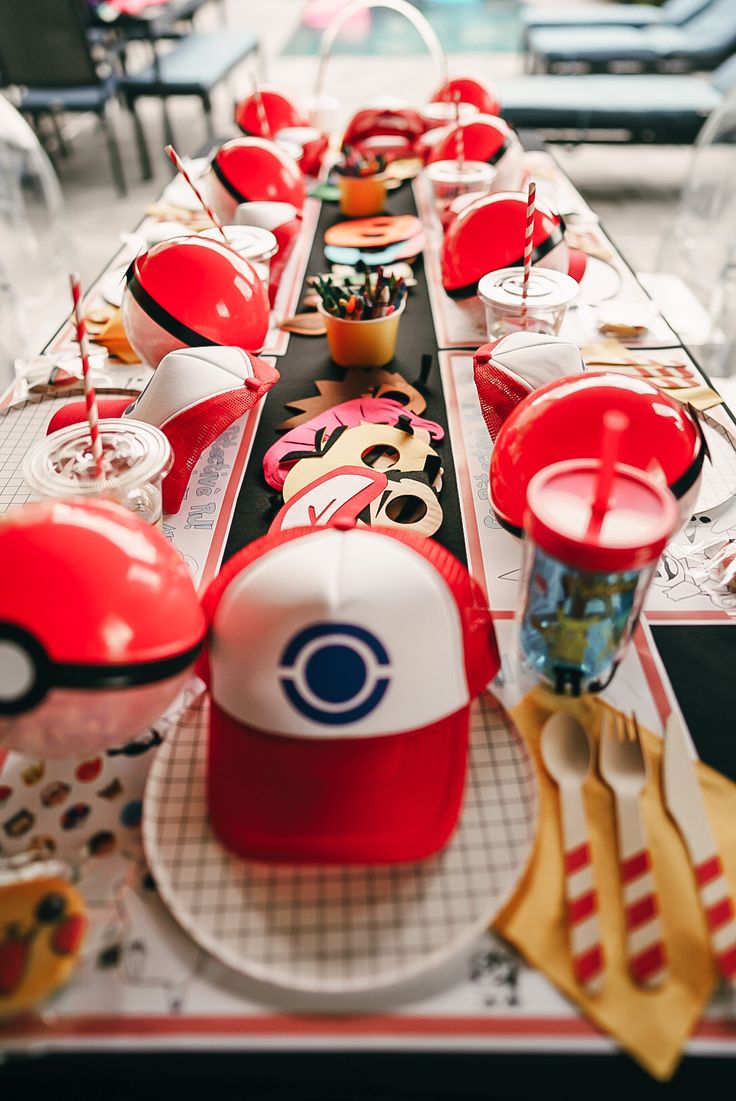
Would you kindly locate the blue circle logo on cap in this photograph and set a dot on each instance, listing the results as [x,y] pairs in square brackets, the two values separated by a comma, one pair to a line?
[334,673]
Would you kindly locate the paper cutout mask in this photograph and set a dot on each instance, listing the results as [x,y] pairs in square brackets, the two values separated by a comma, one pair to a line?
[384,229]
[347,414]
[358,382]
[378,446]
[350,494]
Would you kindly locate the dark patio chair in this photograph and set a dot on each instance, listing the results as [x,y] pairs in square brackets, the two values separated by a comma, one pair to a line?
[663,109]
[673,13]
[702,43]
[45,55]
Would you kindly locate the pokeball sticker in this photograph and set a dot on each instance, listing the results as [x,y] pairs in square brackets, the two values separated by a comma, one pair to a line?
[334,673]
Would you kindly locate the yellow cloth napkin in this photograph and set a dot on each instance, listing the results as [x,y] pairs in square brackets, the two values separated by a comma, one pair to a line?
[652,1025]
[112,336]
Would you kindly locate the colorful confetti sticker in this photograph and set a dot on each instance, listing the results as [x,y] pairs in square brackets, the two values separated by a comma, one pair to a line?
[72,818]
[54,793]
[88,771]
[111,790]
[131,814]
[102,843]
[33,773]
[19,824]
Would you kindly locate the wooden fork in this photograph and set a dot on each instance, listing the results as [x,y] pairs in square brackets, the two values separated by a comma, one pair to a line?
[623,767]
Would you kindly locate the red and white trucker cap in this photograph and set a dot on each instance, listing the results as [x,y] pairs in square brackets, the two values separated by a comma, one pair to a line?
[507,370]
[341,664]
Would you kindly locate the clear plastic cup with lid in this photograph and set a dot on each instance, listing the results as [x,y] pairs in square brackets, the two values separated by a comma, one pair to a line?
[549,295]
[452,178]
[136,457]
[587,570]
[252,243]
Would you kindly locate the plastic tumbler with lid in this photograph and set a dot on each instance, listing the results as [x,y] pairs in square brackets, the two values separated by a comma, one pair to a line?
[587,569]
[135,459]
[549,294]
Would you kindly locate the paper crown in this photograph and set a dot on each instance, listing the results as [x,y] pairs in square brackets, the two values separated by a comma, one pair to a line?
[341,665]
[193,397]
[508,370]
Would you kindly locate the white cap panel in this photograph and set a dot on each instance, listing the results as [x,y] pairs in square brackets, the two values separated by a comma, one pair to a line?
[184,378]
[338,634]
[537,358]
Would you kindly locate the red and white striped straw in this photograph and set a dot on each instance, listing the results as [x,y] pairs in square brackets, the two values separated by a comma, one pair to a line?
[459,139]
[528,248]
[179,166]
[261,109]
[90,398]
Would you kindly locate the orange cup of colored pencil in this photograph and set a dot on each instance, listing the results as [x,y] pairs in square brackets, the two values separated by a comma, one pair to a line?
[362,327]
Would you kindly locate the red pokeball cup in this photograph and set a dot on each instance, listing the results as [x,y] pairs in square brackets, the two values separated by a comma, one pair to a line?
[489,139]
[471,91]
[252,169]
[489,234]
[341,664]
[549,294]
[564,420]
[98,631]
[587,568]
[193,292]
[279,109]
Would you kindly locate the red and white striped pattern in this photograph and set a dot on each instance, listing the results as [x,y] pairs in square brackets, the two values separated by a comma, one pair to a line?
[90,398]
[717,904]
[647,957]
[588,960]
[459,136]
[179,165]
[528,248]
[261,109]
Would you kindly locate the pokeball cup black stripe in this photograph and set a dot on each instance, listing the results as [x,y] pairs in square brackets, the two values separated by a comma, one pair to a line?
[540,251]
[166,320]
[227,184]
[64,675]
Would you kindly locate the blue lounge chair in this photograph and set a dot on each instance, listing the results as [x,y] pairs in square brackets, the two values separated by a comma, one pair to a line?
[702,43]
[672,13]
[664,109]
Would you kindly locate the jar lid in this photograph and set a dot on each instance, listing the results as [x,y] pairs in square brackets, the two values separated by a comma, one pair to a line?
[443,112]
[548,289]
[297,135]
[631,534]
[250,242]
[460,172]
[61,465]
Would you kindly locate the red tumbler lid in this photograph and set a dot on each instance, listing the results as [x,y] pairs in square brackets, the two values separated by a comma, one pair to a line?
[632,533]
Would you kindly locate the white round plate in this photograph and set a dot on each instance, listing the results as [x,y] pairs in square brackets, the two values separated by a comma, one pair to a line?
[600,281]
[112,285]
[333,930]
[718,483]
[178,192]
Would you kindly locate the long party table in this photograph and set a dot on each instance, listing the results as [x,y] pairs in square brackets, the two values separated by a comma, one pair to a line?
[193,1030]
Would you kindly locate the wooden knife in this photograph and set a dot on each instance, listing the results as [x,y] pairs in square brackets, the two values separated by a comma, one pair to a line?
[684,801]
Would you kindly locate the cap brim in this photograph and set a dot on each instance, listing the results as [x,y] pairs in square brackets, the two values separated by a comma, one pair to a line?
[380,800]
[576,264]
